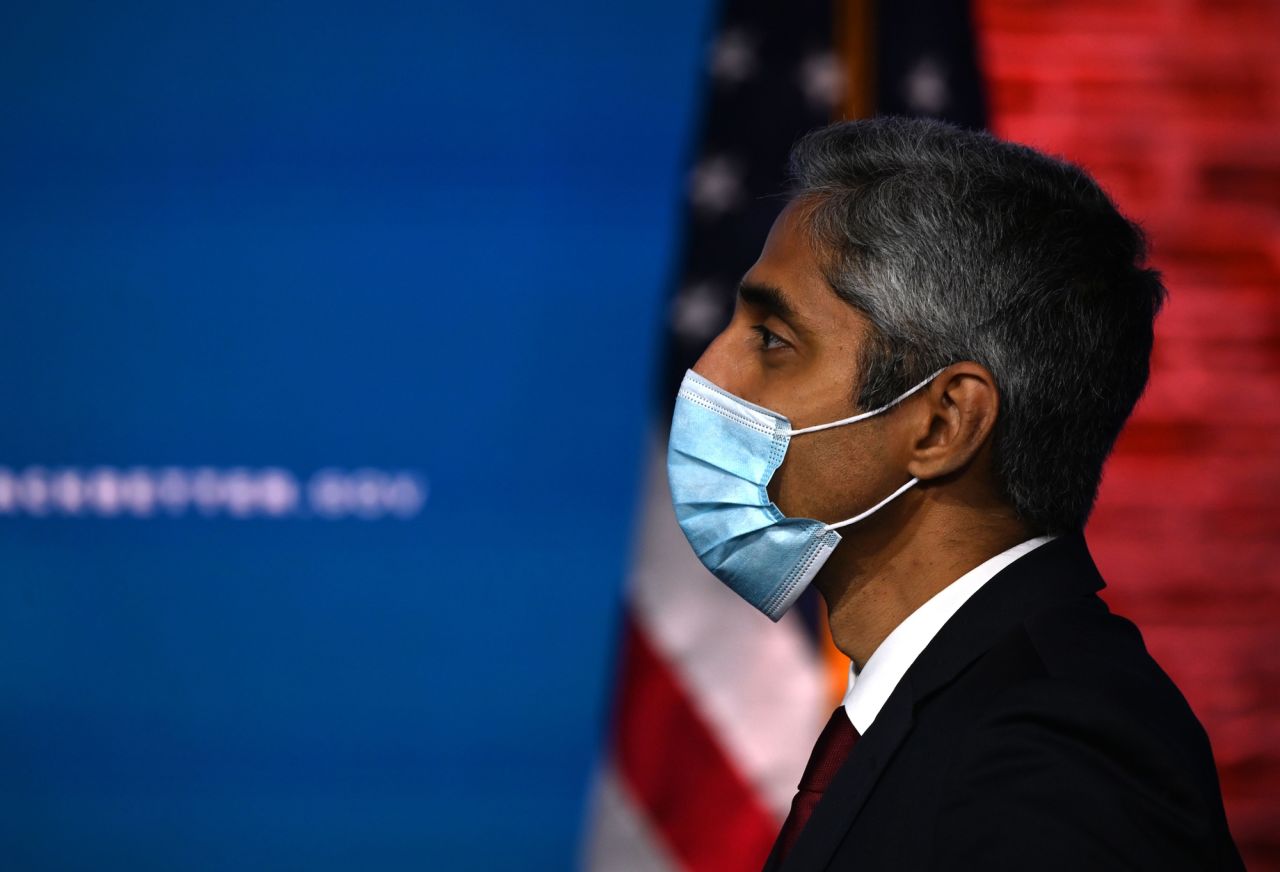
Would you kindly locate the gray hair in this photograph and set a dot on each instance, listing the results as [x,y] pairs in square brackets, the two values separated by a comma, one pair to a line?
[958,246]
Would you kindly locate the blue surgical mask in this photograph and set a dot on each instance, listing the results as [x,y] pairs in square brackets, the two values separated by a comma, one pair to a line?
[722,452]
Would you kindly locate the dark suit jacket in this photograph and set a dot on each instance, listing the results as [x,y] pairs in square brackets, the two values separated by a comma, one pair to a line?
[1033,733]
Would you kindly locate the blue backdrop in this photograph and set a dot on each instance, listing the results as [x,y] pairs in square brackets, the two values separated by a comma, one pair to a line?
[326,342]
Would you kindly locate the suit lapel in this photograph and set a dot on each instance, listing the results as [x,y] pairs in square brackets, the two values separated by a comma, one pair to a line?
[1054,572]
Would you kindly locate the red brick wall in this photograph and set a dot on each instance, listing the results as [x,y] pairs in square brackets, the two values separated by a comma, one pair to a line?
[1174,105]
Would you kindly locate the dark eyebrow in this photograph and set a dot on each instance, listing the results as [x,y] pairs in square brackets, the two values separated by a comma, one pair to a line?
[772,299]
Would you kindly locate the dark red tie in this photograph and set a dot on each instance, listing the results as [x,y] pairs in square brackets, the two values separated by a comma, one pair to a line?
[833,746]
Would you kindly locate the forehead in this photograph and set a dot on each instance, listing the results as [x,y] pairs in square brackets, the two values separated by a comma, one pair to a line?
[789,246]
[790,262]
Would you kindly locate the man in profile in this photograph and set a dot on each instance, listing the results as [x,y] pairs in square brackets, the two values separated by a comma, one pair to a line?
[910,409]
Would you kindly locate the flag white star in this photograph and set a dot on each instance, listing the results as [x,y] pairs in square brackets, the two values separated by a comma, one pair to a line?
[733,57]
[698,311]
[822,80]
[926,86]
[716,185]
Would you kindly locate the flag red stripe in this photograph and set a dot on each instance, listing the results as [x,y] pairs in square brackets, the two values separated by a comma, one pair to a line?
[710,817]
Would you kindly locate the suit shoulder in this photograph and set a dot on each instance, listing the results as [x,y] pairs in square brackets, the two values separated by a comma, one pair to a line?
[1096,662]
[1087,757]
[1087,741]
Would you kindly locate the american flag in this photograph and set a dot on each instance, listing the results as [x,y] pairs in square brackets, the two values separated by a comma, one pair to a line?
[716,708]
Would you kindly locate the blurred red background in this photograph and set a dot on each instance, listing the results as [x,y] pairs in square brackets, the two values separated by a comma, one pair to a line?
[1175,108]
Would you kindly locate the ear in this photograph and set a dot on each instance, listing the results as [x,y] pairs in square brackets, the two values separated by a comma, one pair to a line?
[961,406]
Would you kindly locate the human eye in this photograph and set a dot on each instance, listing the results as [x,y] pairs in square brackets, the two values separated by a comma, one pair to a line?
[768,339]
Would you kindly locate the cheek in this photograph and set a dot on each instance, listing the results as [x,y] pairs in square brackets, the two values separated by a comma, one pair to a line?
[827,476]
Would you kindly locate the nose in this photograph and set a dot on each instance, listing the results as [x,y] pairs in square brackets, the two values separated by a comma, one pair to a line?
[717,364]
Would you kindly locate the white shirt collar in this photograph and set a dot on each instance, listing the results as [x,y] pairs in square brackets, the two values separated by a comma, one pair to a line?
[869,688]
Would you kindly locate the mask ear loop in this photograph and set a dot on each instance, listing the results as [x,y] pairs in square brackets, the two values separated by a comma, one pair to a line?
[862,416]
[827,528]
